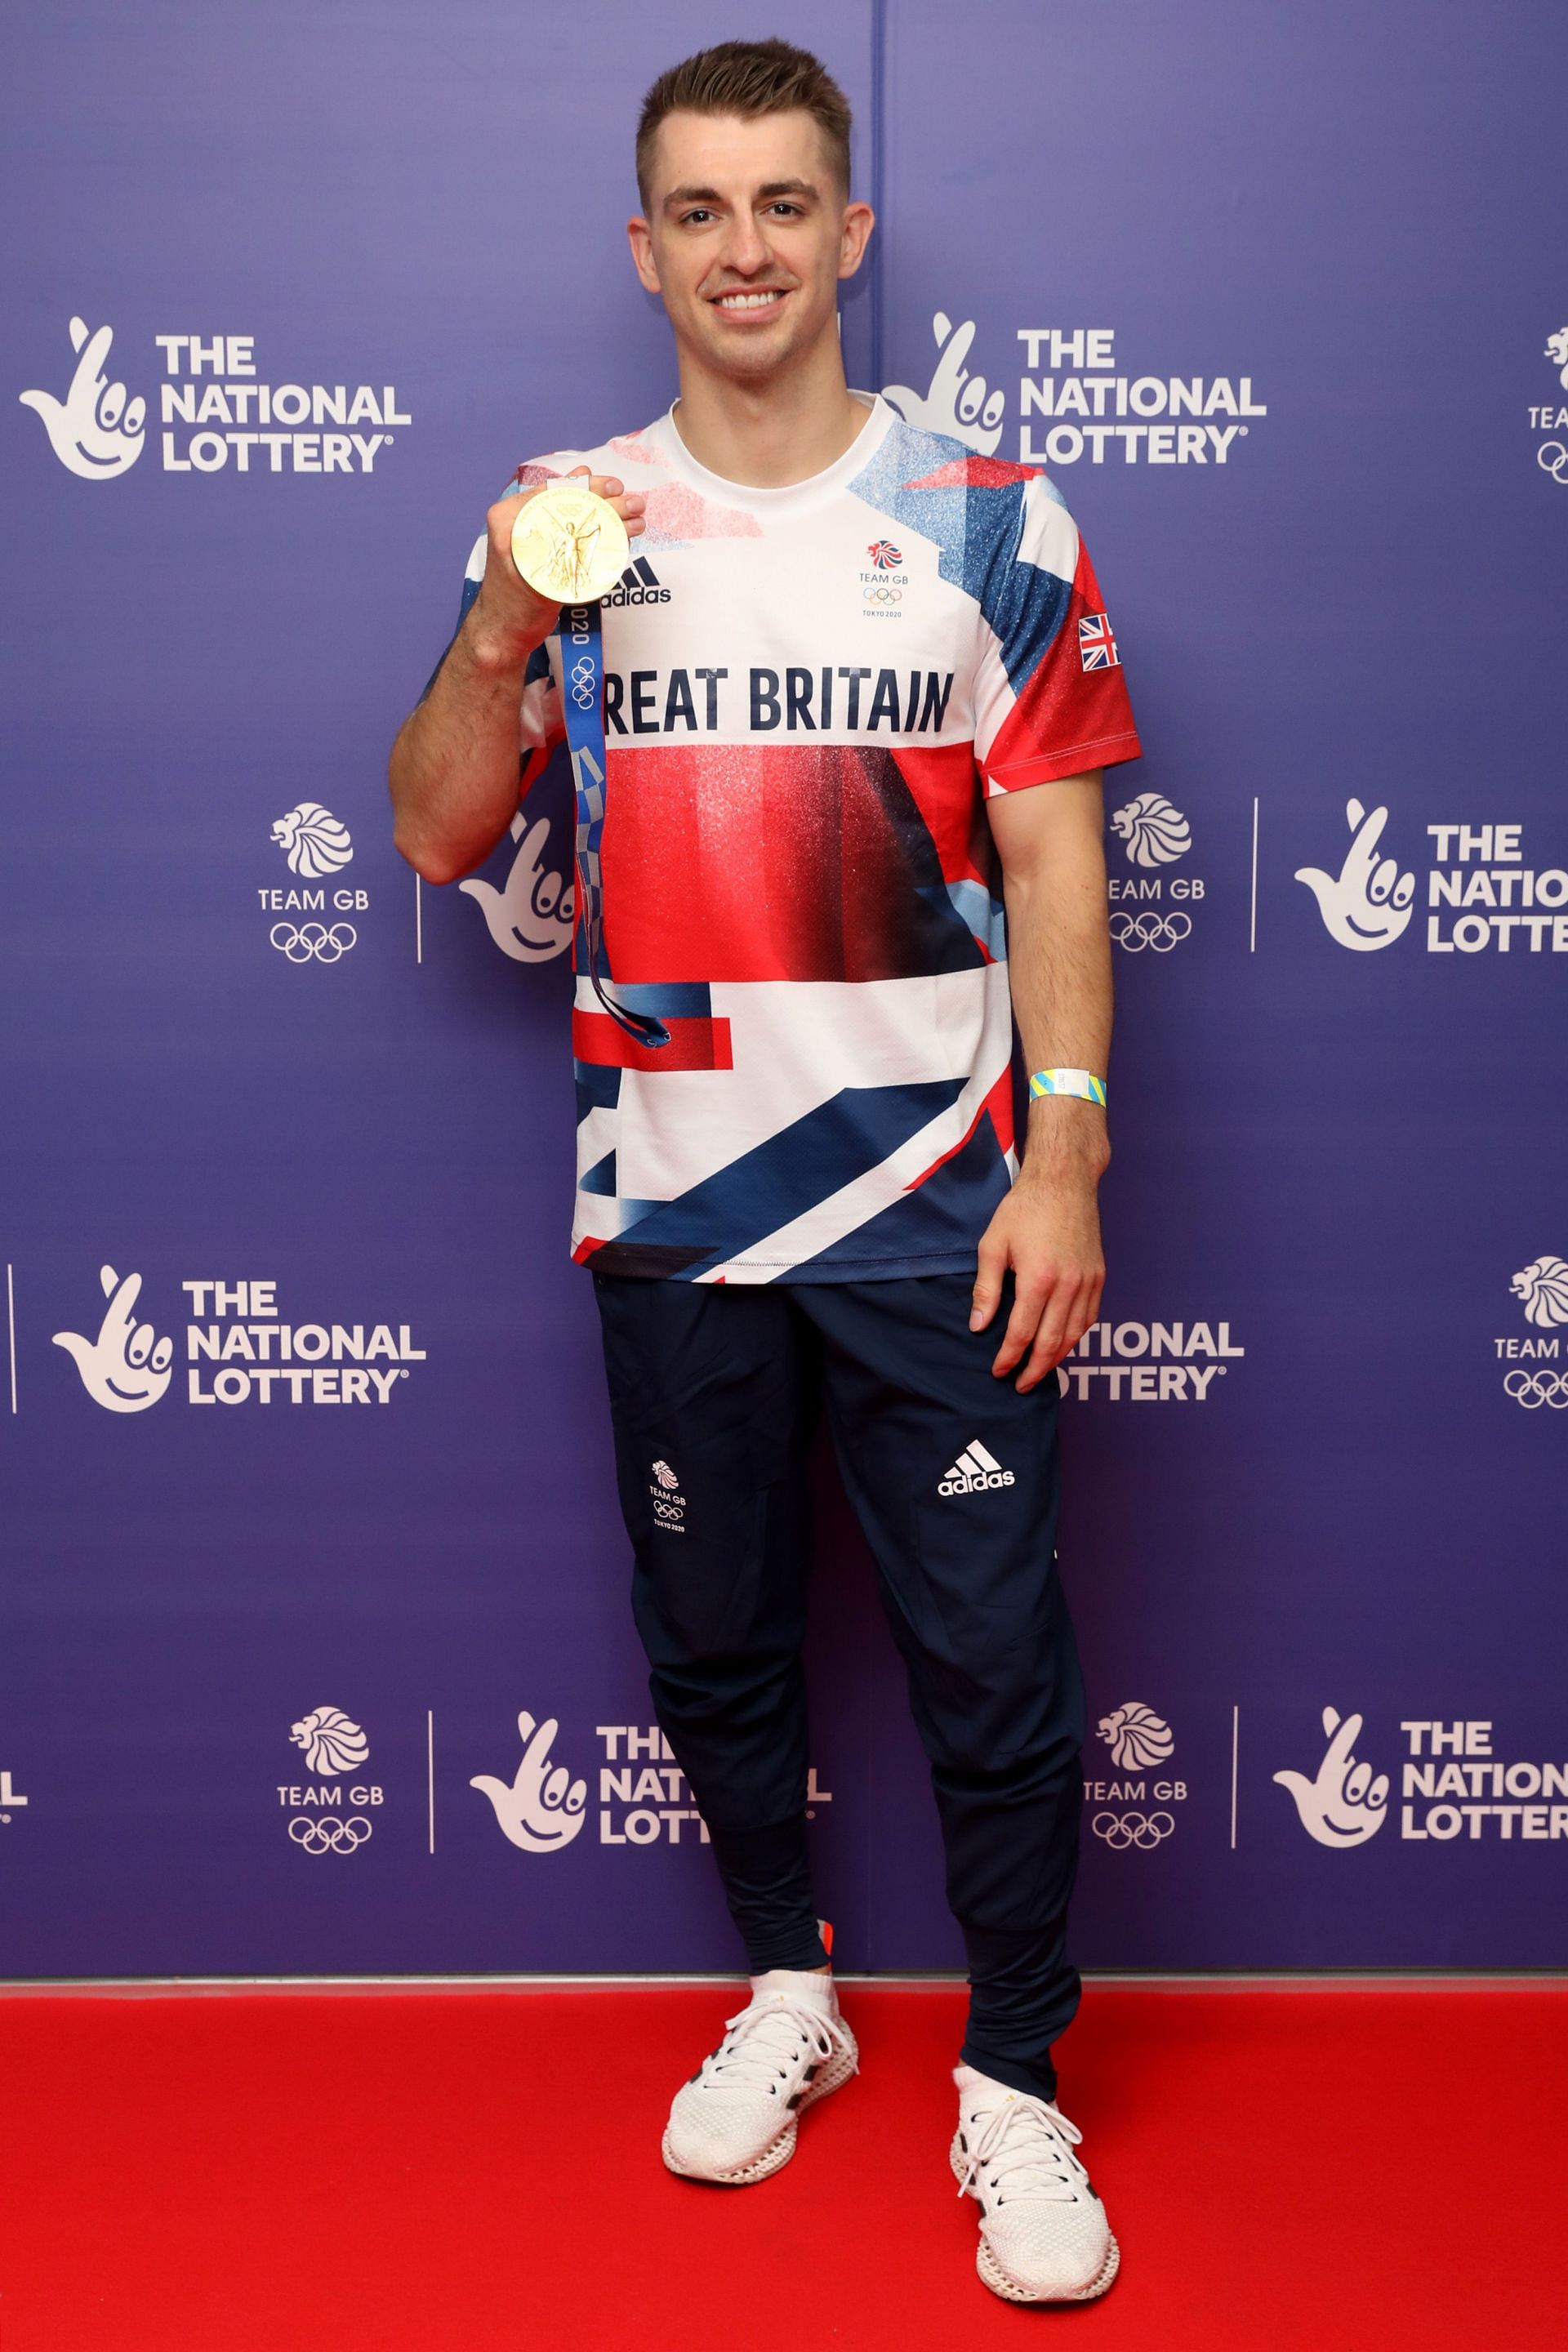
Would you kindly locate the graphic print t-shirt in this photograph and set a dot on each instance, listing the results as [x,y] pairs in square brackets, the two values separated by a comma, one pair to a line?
[809,692]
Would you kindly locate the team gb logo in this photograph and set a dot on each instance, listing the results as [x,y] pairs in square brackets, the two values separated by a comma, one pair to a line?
[1542,1288]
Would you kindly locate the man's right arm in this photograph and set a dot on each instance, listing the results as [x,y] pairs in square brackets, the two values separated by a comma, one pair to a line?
[453,773]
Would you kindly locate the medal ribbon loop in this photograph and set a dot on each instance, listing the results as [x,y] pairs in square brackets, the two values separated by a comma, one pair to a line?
[582,703]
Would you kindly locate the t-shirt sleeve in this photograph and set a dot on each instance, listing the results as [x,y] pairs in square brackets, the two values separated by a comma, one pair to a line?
[1050,693]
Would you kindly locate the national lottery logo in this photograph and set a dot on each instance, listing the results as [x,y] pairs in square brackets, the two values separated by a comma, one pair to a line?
[955,403]
[96,431]
[1096,409]
[239,1350]
[216,412]
[530,916]
[541,1809]
[1346,1802]
[1368,903]
[125,1366]
[1480,894]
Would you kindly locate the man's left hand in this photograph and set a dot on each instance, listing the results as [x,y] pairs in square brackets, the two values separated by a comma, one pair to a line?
[1048,1231]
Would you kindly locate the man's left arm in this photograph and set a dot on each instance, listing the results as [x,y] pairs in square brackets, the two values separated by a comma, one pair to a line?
[1051,839]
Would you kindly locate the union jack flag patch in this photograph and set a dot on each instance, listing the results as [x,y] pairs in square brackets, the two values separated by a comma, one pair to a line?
[1096,646]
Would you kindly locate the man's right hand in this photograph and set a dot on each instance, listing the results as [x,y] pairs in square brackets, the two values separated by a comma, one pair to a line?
[509,618]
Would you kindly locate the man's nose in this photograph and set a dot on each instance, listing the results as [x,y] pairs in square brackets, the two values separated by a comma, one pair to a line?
[745,249]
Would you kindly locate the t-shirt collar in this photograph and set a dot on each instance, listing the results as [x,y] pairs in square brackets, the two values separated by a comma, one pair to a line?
[815,487]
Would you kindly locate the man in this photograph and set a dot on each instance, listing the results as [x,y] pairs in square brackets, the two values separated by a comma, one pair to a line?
[870,703]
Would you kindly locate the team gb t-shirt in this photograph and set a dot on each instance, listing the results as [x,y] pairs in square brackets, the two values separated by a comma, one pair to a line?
[808,692]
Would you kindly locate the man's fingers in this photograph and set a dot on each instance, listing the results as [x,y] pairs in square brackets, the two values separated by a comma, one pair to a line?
[1066,1315]
[987,1291]
[1028,1301]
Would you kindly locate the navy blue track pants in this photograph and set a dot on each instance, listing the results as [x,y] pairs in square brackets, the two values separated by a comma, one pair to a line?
[715,1390]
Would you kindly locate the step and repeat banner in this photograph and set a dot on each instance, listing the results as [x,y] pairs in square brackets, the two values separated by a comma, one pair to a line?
[315,1647]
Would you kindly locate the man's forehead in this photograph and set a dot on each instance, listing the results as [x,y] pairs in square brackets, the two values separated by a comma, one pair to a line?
[736,154]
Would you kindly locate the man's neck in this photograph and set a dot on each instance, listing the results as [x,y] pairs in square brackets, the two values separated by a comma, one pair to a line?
[769,433]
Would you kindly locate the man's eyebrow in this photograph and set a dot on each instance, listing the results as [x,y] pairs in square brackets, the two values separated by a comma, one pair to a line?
[770,189]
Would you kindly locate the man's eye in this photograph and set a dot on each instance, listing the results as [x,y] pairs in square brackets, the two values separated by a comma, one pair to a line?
[699,215]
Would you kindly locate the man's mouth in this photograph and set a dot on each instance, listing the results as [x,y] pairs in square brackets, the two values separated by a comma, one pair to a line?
[750,298]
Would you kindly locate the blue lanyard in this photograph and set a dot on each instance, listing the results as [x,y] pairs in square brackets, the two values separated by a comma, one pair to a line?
[582,703]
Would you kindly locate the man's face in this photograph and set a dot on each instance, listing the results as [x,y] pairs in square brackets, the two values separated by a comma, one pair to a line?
[746,236]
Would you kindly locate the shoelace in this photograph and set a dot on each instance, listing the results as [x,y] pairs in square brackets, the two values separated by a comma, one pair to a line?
[1020,2143]
[750,2053]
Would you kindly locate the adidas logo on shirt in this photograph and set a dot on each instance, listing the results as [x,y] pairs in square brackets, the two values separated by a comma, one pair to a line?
[638,585]
[975,1468]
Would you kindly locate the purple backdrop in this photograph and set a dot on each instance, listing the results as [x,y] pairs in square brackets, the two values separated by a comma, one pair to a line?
[297,1531]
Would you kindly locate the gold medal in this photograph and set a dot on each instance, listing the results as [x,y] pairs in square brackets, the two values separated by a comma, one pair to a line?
[569,543]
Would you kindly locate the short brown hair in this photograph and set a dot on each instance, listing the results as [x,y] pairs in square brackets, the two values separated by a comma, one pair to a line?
[748,77]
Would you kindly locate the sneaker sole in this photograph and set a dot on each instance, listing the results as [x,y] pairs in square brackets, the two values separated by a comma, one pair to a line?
[834,2074]
[1002,2283]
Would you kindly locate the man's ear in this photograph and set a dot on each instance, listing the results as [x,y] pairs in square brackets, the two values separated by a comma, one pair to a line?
[859,220]
[639,236]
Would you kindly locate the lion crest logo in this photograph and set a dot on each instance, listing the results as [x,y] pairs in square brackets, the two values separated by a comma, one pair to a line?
[1137,1738]
[1154,832]
[1557,353]
[333,1742]
[1541,1287]
[313,840]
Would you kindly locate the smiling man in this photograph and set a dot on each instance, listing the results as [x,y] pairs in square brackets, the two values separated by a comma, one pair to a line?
[858,687]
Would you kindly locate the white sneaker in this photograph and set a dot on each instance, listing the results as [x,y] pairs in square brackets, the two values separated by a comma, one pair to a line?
[735,2119]
[1044,2237]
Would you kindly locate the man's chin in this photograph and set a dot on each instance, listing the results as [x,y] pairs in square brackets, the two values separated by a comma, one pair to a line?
[760,351]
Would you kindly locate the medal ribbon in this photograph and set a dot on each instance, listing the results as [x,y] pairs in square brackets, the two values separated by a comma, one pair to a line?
[582,703]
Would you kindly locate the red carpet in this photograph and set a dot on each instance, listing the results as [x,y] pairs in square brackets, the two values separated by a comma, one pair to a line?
[1289,2170]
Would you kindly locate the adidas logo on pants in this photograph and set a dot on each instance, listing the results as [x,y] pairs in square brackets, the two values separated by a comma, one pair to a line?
[975,1468]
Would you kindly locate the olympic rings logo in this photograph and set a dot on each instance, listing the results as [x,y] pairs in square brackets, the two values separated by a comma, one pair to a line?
[1533,1389]
[582,683]
[1160,933]
[301,942]
[1142,1829]
[1552,458]
[882,595]
[329,1837]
